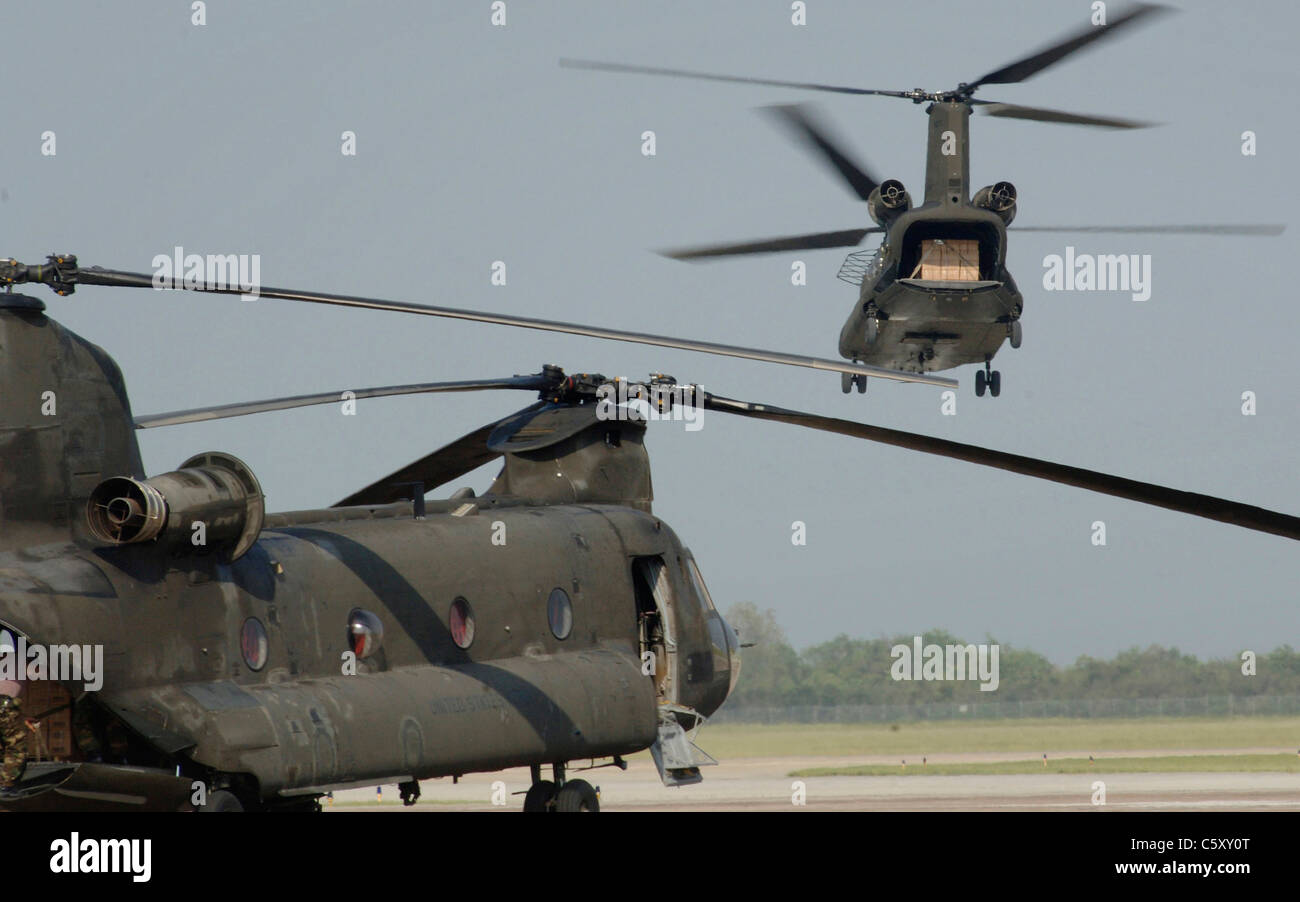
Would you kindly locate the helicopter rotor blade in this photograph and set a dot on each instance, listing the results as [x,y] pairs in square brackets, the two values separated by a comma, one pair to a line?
[598,66]
[1207,506]
[472,450]
[798,119]
[67,275]
[222,411]
[1012,73]
[451,461]
[847,238]
[1028,66]
[1203,229]
[1041,114]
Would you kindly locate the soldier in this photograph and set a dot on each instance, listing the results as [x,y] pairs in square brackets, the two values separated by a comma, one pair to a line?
[13,740]
[83,729]
[13,732]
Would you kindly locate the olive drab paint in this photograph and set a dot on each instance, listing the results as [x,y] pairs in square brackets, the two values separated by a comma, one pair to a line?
[222,657]
[935,293]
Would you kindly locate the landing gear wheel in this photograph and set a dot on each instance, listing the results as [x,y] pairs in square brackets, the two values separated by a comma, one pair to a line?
[995,384]
[980,383]
[861,383]
[540,796]
[873,329]
[1017,334]
[577,795]
[846,382]
[223,800]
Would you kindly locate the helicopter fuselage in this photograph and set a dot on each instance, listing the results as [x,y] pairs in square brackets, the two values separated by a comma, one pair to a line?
[927,324]
[274,658]
[241,676]
[937,293]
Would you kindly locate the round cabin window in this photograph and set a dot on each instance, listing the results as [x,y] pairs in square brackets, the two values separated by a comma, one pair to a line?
[461,622]
[365,632]
[559,612]
[253,644]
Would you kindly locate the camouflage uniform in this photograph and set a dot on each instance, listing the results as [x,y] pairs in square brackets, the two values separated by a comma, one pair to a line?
[84,732]
[13,740]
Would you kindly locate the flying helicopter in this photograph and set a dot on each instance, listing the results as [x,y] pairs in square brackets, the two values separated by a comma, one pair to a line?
[555,618]
[935,293]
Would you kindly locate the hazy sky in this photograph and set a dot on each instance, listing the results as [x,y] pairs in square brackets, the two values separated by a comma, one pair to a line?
[474,146]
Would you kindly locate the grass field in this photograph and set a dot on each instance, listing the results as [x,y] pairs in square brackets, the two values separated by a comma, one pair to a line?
[730,741]
[1200,764]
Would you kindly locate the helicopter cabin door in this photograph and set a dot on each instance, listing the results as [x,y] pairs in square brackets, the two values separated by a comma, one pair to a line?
[677,758]
[655,617]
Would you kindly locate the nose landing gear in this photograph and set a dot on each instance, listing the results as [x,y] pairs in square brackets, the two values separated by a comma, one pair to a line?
[560,794]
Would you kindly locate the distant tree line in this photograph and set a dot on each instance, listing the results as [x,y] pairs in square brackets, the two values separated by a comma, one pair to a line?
[846,671]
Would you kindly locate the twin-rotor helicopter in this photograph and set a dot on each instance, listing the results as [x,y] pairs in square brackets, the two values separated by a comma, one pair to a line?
[936,293]
[386,638]
[258,661]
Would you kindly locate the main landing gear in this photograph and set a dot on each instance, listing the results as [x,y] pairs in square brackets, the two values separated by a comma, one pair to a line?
[848,381]
[560,794]
[988,378]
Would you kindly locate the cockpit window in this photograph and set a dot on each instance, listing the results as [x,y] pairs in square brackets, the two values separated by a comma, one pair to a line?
[697,583]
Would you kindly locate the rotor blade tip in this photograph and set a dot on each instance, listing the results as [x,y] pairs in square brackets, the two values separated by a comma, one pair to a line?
[676,255]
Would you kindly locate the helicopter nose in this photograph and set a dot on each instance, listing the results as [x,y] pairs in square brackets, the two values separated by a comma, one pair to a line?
[733,653]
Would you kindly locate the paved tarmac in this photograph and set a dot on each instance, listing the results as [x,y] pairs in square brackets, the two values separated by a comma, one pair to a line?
[764,784]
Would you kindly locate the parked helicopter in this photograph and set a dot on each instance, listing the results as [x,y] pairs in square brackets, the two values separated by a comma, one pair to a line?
[385,639]
[936,293]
